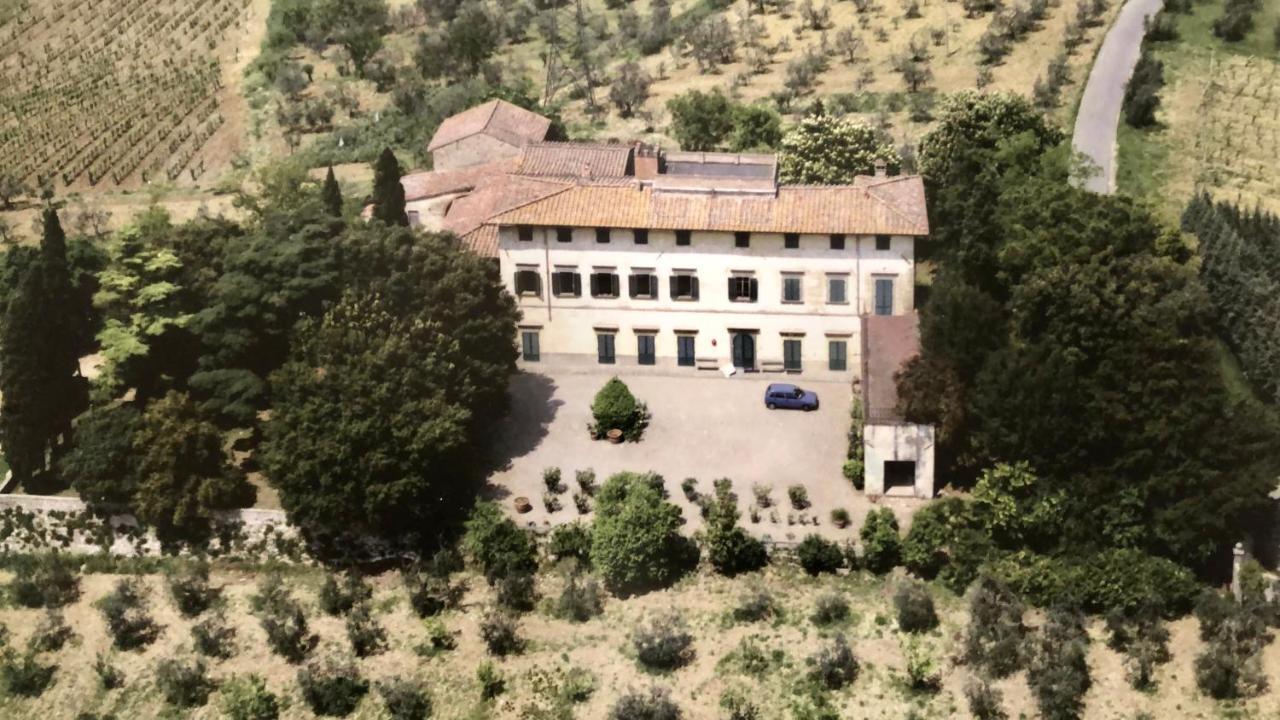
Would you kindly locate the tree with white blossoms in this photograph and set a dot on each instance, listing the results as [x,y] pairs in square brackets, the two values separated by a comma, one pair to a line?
[825,150]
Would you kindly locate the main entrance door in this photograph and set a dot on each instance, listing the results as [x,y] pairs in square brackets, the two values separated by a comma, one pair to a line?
[744,351]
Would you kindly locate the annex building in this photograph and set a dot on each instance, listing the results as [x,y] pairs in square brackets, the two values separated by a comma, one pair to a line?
[628,255]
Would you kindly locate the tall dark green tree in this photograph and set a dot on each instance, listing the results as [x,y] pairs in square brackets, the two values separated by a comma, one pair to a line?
[332,194]
[388,193]
[67,392]
[24,410]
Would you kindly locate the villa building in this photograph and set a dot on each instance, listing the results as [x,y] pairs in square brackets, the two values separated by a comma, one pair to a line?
[625,255]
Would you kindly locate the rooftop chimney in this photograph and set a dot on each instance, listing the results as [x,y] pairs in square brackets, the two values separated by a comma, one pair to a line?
[646,161]
[882,168]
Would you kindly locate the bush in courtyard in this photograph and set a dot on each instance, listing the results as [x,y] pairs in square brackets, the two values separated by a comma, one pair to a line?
[572,540]
[246,697]
[615,408]
[184,682]
[994,637]
[109,676]
[985,700]
[496,544]
[1058,670]
[51,633]
[881,547]
[341,592]
[652,704]
[817,555]
[332,687]
[366,635]
[125,610]
[23,675]
[636,543]
[500,633]
[405,700]
[189,587]
[915,608]
[551,478]
[212,637]
[798,496]
[662,643]
[834,666]
[753,606]
[829,608]
[729,548]
[580,600]
[50,582]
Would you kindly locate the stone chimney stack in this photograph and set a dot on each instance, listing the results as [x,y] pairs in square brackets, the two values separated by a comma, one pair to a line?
[646,161]
[882,168]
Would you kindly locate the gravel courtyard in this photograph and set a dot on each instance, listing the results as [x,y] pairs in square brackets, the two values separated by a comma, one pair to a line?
[704,427]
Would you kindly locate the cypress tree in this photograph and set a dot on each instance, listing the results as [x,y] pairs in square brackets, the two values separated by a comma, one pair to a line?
[67,393]
[332,194]
[24,410]
[388,193]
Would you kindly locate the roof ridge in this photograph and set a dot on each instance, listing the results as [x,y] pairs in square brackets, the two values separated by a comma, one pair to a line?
[493,111]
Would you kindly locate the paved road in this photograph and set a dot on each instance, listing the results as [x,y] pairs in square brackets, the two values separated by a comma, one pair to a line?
[1099,114]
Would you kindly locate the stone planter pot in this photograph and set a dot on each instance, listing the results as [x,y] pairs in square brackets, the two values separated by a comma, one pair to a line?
[614,436]
[522,505]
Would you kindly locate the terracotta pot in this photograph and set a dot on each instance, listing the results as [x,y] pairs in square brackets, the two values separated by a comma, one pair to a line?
[522,505]
[614,435]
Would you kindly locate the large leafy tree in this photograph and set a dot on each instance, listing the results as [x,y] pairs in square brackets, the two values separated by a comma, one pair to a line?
[700,121]
[380,413]
[826,150]
[636,543]
[103,465]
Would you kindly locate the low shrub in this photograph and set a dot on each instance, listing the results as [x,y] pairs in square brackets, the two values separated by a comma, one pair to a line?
[496,544]
[439,639]
[923,673]
[993,640]
[881,547]
[689,486]
[580,600]
[492,684]
[985,700]
[49,581]
[500,633]
[571,540]
[184,682]
[51,633]
[834,666]
[23,675]
[750,658]
[365,634]
[246,697]
[818,555]
[212,637]
[341,592]
[1143,638]
[430,595]
[444,562]
[652,704]
[109,676]
[737,707]
[662,643]
[840,518]
[517,592]
[1058,671]
[1235,633]
[914,604]
[128,622]
[763,494]
[405,700]
[798,496]
[288,633]
[730,550]
[551,479]
[1121,579]
[586,480]
[753,606]
[829,608]
[189,587]
[615,408]
[332,687]
[636,543]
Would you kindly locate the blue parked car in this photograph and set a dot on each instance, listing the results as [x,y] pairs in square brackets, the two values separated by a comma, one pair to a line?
[782,395]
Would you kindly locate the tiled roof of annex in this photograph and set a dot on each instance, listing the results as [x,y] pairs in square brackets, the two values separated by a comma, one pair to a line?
[509,123]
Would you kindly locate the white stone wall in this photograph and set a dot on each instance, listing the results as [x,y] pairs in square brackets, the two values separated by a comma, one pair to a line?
[568,326]
[881,443]
[472,150]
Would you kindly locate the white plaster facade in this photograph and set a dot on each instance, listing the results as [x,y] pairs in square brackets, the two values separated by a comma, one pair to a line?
[567,327]
[898,443]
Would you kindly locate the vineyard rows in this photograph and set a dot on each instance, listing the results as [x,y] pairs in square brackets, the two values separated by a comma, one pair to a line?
[93,91]
[1239,134]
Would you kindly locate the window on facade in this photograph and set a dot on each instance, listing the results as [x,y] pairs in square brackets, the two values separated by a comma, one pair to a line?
[645,352]
[684,350]
[604,348]
[528,282]
[791,353]
[529,346]
[643,286]
[837,355]
[742,288]
[414,218]
[683,237]
[791,288]
[524,233]
[604,285]
[564,234]
[791,241]
[641,235]
[836,290]
[884,296]
[684,287]
[602,235]
[566,283]
[837,242]
[742,239]
[882,242]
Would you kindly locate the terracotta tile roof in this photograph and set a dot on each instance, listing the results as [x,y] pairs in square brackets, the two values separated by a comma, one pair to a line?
[574,159]
[888,342]
[470,212]
[482,241]
[890,206]
[434,183]
[509,123]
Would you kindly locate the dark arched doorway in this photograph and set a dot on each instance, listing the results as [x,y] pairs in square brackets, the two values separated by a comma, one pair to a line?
[744,351]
